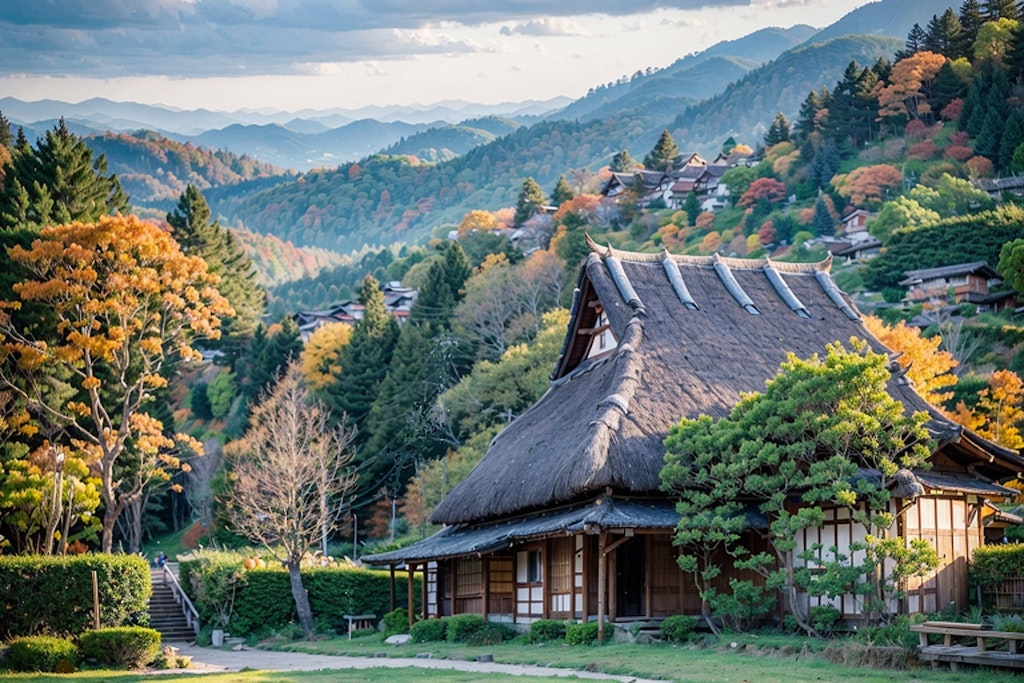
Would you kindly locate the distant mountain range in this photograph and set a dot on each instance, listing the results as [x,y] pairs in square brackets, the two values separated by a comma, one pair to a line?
[299,140]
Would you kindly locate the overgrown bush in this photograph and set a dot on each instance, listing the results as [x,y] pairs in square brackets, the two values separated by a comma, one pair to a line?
[993,563]
[40,653]
[677,629]
[462,626]
[429,631]
[581,634]
[212,579]
[132,646]
[544,630]
[29,586]
[394,622]
[491,633]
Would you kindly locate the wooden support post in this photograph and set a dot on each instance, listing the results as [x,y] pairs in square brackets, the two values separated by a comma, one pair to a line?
[545,586]
[394,593]
[411,606]
[95,600]
[423,590]
[602,581]
[486,571]
[648,575]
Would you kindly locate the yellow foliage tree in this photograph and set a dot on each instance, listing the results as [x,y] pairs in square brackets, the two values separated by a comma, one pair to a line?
[931,369]
[998,414]
[319,360]
[477,221]
[122,298]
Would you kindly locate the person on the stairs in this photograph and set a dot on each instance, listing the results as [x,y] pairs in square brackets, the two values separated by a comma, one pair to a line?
[161,560]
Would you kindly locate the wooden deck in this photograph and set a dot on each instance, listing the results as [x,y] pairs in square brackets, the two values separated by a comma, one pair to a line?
[990,648]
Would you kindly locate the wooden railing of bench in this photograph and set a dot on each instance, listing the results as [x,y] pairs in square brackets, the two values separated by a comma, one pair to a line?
[983,652]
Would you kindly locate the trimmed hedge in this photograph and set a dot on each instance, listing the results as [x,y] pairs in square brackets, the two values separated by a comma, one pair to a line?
[993,563]
[263,597]
[491,633]
[40,653]
[54,594]
[132,646]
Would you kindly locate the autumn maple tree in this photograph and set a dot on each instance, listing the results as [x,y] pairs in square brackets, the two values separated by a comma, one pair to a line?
[907,91]
[122,300]
[928,367]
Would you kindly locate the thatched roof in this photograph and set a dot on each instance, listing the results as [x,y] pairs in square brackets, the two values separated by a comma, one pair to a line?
[693,333]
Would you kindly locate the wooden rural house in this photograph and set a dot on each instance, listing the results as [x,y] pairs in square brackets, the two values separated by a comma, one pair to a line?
[961,282]
[564,517]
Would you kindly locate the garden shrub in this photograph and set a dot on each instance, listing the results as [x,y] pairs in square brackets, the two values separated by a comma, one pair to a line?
[40,653]
[544,630]
[395,622]
[29,584]
[132,646]
[677,629]
[824,618]
[491,633]
[581,634]
[462,626]
[429,631]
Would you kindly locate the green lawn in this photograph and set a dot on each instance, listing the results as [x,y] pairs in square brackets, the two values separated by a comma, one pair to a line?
[755,658]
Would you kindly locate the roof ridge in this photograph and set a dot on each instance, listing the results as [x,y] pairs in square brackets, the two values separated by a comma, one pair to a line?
[607,251]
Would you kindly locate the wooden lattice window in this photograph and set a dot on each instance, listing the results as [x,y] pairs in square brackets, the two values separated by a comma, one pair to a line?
[562,565]
[470,577]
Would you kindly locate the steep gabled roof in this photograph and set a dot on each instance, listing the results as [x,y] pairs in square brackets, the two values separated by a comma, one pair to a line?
[693,333]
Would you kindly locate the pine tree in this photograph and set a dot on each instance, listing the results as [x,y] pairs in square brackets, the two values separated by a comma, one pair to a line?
[914,43]
[824,224]
[61,181]
[268,356]
[945,35]
[562,192]
[778,132]
[442,290]
[947,87]
[971,20]
[364,361]
[531,199]
[622,162]
[397,435]
[692,208]
[6,136]
[1015,54]
[993,10]
[664,155]
[1011,138]
[224,256]
[806,122]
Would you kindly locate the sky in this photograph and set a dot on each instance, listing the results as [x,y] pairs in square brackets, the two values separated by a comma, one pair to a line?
[321,54]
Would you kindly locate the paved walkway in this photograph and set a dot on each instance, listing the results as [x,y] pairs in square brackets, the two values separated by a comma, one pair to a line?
[212,660]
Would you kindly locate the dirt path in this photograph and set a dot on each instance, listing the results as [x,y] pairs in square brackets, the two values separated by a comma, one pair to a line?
[213,660]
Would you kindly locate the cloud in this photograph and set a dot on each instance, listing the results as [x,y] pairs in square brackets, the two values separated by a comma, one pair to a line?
[111,38]
[552,26]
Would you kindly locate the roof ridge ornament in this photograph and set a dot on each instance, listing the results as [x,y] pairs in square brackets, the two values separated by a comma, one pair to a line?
[675,278]
[781,288]
[726,276]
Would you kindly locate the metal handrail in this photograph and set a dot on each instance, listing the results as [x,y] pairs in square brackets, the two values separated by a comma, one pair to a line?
[189,610]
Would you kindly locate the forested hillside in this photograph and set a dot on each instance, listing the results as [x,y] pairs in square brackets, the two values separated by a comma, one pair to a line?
[154,169]
[447,142]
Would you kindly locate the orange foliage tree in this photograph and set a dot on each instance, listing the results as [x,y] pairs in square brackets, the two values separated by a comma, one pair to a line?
[769,189]
[122,298]
[930,369]
[909,84]
[868,186]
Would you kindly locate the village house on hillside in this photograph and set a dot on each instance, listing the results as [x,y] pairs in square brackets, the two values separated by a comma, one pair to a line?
[397,299]
[564,517]
[694,175]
